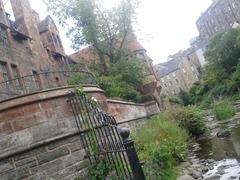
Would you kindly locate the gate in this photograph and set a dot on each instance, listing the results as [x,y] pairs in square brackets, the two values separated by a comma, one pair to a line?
[101,138]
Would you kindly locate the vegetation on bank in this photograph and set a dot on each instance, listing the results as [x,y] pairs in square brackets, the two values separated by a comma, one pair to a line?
[223,110]
[162,141]
[220,76]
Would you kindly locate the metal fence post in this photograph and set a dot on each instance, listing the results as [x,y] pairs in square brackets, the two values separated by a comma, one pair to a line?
[132,154]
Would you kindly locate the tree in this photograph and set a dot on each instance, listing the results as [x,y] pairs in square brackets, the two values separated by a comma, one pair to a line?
[224,50]
[91,24]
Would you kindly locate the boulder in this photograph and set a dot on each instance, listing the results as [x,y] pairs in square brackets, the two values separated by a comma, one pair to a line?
[223,134]
[185,177]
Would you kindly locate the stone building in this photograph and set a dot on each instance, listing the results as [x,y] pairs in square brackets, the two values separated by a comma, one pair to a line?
[134,48]
[29,46]
[219,17]
[180,72]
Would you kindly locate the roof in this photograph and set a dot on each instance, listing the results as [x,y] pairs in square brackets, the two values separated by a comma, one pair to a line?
[166,68]
[134,45]
[44,24]
[15,32]
[87,54]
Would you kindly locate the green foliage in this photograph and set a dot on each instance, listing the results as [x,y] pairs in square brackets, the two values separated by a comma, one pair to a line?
[124,79]
[191,119]
[224,50]
[234,83]
[79,78]
[175,100]
[90,23]
[221,75]
[223,110]
[162,143]
[184,97]
[100,169]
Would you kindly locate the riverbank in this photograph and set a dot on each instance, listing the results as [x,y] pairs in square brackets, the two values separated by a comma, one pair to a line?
[217,156]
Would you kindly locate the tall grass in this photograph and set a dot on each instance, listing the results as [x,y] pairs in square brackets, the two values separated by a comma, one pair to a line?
[223,110]
[161,143]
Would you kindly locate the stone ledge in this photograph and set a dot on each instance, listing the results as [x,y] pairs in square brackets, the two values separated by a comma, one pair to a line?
[124,102]
[41,96]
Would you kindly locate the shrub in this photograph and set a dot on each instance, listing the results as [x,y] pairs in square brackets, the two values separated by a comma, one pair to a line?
[175,100]
[185,98]
[162,143]
[206,102]
[223,110]
[191,119]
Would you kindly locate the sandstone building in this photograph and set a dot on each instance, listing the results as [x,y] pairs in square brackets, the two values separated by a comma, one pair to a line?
[219,17]
[29,46]
[180,72]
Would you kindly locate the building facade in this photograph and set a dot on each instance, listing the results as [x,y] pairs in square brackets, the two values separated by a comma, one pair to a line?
[219,17]
[28,46]
[180,72]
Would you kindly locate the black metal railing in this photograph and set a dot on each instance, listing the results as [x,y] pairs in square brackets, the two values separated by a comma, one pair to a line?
[101,136]
[43,81]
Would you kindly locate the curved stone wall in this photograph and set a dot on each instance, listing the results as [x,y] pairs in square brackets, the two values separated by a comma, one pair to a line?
[39,136]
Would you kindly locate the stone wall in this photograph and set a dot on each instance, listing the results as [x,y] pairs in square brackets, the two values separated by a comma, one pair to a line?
[39,136]
[131,114]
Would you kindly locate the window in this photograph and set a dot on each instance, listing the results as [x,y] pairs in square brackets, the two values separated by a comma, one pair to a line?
[59,41]
[192,68]
[36,79]
[4,71]
[3,37]
[15,75]
[55,39]
[49,38]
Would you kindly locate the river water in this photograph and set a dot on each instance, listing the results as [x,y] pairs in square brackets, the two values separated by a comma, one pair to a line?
[221,155]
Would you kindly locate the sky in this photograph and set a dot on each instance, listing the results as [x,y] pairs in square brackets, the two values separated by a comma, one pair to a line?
[163,26]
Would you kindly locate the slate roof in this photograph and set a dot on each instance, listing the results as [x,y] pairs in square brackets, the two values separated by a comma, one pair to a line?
[166,68]
[44,24]
[15,32]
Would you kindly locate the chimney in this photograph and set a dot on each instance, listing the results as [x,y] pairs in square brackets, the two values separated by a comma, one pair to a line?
[3,17]
[36,16]
[23,15]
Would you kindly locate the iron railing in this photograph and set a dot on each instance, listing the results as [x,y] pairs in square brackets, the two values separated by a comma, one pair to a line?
[43,81]
[103,139]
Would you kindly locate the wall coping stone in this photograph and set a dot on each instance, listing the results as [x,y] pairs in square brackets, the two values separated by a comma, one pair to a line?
[124,102]
[42,95]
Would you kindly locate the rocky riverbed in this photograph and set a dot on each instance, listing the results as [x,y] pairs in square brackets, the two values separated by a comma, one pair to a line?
[216,157]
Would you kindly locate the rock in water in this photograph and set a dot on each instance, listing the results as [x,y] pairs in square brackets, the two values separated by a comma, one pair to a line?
[223,134]
[185,177]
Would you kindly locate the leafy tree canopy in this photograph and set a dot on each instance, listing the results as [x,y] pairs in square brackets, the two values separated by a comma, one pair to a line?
[224,50]
[91,24]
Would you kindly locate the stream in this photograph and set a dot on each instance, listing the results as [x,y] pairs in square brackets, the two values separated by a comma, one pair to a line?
[221,155]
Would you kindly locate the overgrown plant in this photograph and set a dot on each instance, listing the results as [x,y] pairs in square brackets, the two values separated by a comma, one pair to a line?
[161,143]
[223,110]
[191,119]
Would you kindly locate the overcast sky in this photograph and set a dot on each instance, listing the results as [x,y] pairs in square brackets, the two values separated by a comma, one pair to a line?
[164,26]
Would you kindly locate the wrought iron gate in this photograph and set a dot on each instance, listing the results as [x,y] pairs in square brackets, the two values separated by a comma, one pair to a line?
[100,136]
